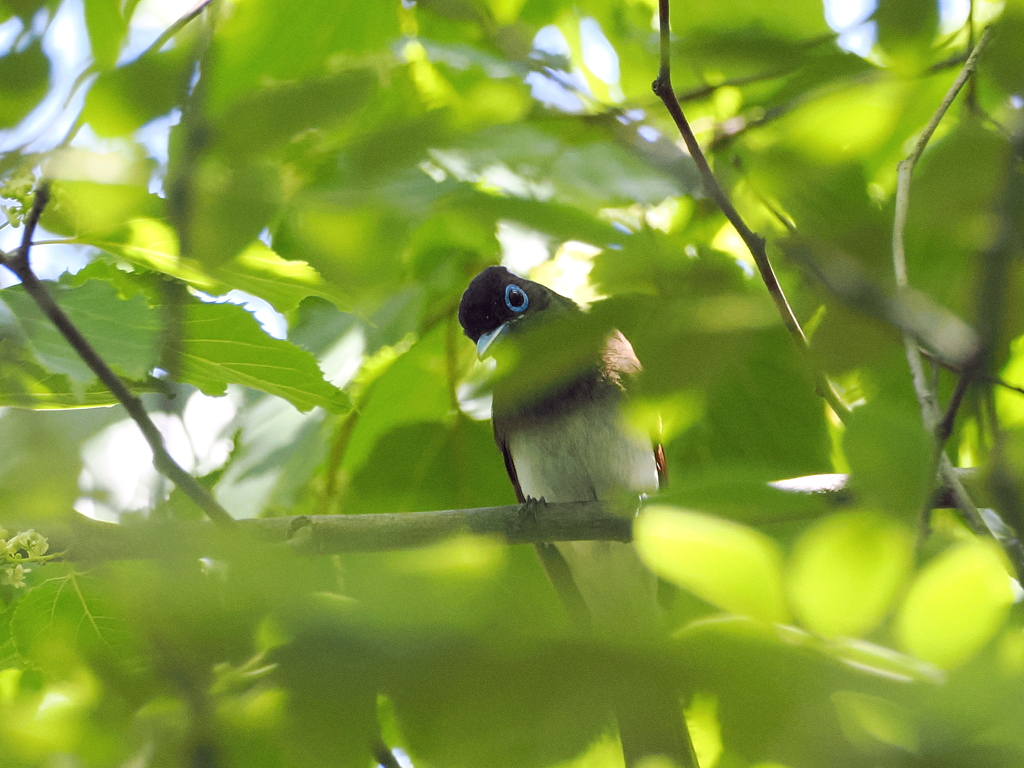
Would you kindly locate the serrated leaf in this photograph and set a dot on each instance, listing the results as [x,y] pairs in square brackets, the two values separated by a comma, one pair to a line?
[282,282]
[729,565]
[223,344]
[124,333]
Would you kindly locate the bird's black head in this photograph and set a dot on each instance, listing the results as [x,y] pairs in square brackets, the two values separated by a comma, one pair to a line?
[497,300]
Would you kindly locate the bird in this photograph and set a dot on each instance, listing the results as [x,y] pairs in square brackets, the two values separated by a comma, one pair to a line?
[564,437]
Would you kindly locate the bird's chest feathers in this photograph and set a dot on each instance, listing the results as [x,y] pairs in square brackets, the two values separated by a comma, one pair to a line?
[586,453]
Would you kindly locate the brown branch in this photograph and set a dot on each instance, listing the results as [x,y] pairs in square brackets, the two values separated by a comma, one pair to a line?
[755,243]
[18,262]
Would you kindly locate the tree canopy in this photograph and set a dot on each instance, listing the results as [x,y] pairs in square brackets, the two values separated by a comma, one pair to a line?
[272,209]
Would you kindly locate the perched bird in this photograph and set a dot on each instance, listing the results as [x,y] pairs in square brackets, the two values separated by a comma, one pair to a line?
[564,438]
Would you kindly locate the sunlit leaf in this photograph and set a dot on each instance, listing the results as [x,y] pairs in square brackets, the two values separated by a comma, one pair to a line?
[222,344]
[729,565]
[868,721]
[955,605]
[846,572]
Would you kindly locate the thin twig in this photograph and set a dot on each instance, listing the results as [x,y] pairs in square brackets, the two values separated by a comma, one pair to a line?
[755,243]
[177,26]
[930,412]
[18,262]
[706,90]
[945,426]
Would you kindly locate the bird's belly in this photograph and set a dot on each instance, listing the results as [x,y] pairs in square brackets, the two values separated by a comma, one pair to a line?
[588,456]
[582,456]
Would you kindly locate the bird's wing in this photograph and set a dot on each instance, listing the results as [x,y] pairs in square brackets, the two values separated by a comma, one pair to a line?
[554,563]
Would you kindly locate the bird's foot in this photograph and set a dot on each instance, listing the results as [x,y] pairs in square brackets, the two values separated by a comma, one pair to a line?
[529,508]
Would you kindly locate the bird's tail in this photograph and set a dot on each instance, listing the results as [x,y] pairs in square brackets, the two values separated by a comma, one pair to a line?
[646,706]
[651,725]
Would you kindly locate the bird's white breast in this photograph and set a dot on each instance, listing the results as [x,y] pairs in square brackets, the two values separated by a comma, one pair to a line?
[585,455]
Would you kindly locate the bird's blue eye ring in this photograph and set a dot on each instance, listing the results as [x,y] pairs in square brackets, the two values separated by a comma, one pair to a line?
[516,298]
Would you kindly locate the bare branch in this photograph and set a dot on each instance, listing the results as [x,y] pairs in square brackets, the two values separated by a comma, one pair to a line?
[87,539]
[930,411]
[755,243]
[84,539]
[177,26]
[162,460]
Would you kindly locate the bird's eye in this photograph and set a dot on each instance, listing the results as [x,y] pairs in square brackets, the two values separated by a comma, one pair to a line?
[516,298]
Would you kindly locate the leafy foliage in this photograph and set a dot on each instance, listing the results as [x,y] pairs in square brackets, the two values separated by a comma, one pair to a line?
[344,169]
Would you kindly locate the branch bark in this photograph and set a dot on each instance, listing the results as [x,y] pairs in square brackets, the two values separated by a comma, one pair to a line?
[662,87]
[85,539]
[90,540]
[931,413]
[19,263]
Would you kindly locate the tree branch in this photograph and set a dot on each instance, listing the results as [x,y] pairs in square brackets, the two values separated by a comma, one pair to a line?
[930,411]
[85,539]
[18,262]
[90,540]
[177,26]
[755,243]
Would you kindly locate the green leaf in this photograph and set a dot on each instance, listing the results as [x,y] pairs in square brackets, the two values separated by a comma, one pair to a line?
[107,27]
[956,604]
[124,99]
[868,721]
[283,283]
[729,565]
[24,76]
[270,117]
[124,333]
[24,383]
[229,206]
[265,41]
[906,28]
[414,389]
[846,571]
[890,456]
[222,344]
[64,618]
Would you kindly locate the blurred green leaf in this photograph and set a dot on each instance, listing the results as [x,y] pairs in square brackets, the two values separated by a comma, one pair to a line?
[870,721]
[956,604]
[414,389]
[67,608]
[266,40]
[890,456]
[731,566]
[107,27]
[846,572]
[123,99]
[24,76]
[270,117]
[906,28]
[227,208]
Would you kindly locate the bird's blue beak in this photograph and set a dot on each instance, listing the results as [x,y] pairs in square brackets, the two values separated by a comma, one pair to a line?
[485,341]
